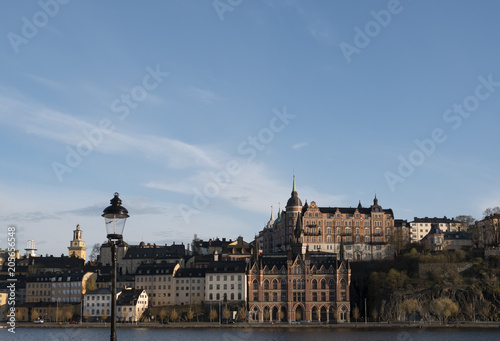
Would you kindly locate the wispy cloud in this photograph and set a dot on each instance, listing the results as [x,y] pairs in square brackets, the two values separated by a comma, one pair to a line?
[202,95]
[300,145]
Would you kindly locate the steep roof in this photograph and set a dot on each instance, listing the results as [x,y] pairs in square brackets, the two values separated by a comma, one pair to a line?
[128,297]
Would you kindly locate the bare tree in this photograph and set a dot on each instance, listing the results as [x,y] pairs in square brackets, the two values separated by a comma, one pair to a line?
[355,313]
[213,314]
[466,221]
[95,253]
[162,314]
[491,211]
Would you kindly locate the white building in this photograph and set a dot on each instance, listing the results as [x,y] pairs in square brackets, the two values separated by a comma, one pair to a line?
[131,304]
[226,281]
[189,286]
[95,302]
[420,227]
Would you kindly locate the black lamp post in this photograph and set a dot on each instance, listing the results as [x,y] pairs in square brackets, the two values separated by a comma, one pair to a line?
[114,217]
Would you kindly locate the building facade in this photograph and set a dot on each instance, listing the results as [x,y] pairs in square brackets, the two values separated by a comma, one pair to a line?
[131,304]
[97,304]
[487,231]
[57,287]
[296,286]
[361,233]
[226,281]
[420,227]
[157,280]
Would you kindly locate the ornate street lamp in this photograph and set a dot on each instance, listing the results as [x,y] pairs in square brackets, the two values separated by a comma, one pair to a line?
[114,217]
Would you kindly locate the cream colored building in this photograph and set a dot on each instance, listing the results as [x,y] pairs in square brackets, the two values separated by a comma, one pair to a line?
[157,280]
[77,247]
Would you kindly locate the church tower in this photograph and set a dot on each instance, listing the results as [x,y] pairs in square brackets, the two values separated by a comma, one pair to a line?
[77,245]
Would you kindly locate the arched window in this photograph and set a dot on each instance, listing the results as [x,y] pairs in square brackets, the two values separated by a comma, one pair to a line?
[266,297]
[275,284]
[218,297]
[348,230]
[294,284]
[343,284]
[314,284]
[255,285]
[211,296]
[367,230]
[323,284]
[303,284]
[323,297]
[283,284]
[338,239]
[328,239]
[357,230]
[275,296]
[266,285]
[315,296]
[367,239]
[357,239]
[232,296]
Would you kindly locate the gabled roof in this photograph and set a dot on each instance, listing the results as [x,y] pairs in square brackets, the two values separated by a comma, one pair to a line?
[129,297]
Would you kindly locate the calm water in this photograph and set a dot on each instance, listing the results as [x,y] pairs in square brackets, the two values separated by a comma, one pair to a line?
[282,334]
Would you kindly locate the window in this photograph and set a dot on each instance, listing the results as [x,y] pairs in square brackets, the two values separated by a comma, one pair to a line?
[266,285]
[314,284]
[266,297]
[275,284]
[255,285]
[275,296]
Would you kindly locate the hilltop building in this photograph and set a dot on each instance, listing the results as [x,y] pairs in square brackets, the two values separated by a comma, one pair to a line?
[420,227]
[361,233]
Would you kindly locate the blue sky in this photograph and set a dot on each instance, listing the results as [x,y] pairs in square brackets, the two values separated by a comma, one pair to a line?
[199,113]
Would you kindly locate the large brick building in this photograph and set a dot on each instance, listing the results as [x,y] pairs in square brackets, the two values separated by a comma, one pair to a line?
[361,233]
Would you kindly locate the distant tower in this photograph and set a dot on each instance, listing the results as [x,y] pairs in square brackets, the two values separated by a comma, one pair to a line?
[77,245]
[30,249]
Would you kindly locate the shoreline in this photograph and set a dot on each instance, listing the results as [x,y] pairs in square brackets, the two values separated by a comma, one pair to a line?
[245,325]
